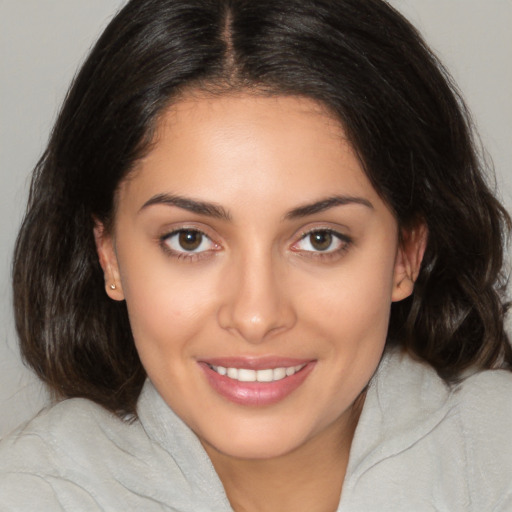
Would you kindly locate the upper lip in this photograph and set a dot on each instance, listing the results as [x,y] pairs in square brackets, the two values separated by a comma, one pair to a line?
[255,363]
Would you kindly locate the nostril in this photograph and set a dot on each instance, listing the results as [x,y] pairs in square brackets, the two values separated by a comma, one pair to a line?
[255,305]
[256,327]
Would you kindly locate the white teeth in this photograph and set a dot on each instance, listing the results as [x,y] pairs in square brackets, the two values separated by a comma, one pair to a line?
[279,373]
[246,375]
[266,375]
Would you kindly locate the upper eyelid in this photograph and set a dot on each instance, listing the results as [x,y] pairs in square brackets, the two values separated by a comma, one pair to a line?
[346,243]
[185,255]
[333,231]
[168,231]
[345,240]
[299,235]
[323,225]
[179,230]
[174,232]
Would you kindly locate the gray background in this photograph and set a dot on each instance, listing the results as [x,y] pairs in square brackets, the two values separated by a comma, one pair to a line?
[43,41]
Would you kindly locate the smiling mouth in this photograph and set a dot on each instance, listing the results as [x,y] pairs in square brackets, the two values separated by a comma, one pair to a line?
[256,382]
[263,375]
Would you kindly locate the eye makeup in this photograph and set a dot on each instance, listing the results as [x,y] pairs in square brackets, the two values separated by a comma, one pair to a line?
[320,242]
[191,244]
[188,243]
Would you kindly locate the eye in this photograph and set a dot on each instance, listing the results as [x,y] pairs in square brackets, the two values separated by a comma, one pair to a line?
[322,241]
[188,241]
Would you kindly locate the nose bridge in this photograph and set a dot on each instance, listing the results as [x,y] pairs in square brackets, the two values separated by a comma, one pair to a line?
[257,304]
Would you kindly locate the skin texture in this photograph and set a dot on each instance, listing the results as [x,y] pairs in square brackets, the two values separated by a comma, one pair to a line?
[258,286]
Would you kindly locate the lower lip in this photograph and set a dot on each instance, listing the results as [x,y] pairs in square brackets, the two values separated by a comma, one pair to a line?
[256,393]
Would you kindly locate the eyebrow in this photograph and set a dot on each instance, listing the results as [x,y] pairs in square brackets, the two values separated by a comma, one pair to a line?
[326,204]
[191,205]
[218,212]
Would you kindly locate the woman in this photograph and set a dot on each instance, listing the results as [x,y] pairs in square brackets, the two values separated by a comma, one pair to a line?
[260,254]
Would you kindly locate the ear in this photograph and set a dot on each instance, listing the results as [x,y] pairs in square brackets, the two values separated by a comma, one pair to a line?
[408,260]
[108,261]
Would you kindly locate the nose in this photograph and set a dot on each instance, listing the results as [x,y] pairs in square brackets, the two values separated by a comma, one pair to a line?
[256,305]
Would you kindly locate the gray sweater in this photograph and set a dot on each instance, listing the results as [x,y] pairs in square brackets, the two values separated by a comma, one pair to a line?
[419,446]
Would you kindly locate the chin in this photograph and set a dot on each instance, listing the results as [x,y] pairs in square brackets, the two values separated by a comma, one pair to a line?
[252,449]
[268,440]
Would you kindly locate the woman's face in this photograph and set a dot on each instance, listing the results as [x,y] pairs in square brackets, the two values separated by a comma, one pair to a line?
[258,265]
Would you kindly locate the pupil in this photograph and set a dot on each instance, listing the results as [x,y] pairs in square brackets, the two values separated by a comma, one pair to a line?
[321,240]
[190,240]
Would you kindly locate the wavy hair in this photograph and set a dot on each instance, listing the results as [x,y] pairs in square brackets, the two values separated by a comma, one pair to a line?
[359,58]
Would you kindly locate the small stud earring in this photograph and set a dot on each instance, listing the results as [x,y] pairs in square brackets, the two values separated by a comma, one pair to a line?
[113,286]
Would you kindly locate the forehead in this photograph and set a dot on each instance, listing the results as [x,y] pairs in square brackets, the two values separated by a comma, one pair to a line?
[269,147]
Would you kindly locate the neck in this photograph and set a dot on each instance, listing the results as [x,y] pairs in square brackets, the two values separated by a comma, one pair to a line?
[308,478]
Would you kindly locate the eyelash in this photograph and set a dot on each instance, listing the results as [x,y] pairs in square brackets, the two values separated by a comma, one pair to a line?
[192,256]
[344,240]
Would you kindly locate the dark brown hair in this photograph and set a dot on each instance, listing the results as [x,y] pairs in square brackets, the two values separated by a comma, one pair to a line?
[360,59]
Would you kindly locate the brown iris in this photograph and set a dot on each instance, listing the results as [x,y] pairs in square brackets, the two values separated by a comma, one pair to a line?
[190,240]
[321,240]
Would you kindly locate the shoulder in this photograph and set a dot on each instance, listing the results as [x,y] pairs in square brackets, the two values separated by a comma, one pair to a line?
[486,388]
[77,456]
[485,410]
[432,441]
[60,433]
[59,453]
[479,399]
[50,432]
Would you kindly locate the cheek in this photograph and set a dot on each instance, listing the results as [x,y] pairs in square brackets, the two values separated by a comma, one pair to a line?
[167,306]
[356,298]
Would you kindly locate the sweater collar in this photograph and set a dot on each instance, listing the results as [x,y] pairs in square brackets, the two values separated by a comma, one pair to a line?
[406,400]
[164,427]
